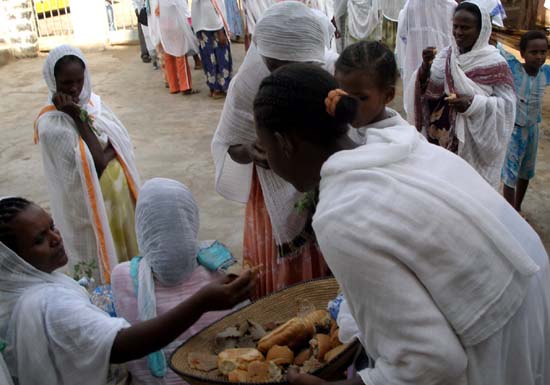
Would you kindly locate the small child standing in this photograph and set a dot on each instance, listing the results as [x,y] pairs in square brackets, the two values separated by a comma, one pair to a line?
[530,78]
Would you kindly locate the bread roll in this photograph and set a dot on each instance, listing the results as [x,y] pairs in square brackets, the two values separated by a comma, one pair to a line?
[258,371]
[302,357]
[332,354]
[281,355]
[293,333]
[237,375]
[321,319]
[335,339]
[232,359]
[320,345]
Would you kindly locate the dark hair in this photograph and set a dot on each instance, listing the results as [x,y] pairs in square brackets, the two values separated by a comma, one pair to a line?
[371,56]
[9,209]
[528,36]
[473,9]
[67,59]
[292,98]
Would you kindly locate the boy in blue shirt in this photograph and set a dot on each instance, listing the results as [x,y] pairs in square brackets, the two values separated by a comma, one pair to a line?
[530,78]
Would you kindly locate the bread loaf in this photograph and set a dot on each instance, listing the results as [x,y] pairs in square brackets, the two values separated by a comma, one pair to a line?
[280,355]
[237,375]
[232,359]
[293,333]
[321,319]
[302,357]
[320,345]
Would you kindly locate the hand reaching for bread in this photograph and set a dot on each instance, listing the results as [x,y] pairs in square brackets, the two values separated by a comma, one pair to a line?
[227,292]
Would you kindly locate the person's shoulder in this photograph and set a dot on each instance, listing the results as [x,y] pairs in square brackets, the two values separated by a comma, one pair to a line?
[120,275]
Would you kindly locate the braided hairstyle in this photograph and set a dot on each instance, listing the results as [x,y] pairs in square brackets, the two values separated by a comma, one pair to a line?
[292,99]
[10,208]
[372,57]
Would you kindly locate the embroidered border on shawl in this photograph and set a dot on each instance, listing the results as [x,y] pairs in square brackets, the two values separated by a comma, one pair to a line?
[104,258]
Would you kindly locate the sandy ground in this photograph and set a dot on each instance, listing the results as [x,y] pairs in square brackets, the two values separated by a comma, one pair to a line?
[171,135]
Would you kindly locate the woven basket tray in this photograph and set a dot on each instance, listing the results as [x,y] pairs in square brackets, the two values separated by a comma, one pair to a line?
[280,306]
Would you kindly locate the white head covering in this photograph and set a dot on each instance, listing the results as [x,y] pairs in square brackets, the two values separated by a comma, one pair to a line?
[290,31]
[17,276]
[167,225]
[49,76]
[42,318]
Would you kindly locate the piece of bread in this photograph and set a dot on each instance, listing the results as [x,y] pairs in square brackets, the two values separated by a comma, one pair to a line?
[302,357]
[333,353]
[451,97]
[321,319]
[281,355]
[232,359]
[293,333]
[202,361]
[334,338]
[237,375]
[258,371]
[320,345]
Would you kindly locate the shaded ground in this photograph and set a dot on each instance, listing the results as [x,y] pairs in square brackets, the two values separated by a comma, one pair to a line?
[171,134]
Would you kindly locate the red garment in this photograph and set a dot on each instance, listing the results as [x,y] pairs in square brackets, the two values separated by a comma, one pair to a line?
[259,249]
[178,73]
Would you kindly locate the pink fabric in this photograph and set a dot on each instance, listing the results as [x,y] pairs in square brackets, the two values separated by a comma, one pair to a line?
[167,298]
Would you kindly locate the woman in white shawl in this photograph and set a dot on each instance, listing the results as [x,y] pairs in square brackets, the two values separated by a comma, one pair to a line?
[422,23]
[178,41]
[275,232]
[446,282]
[465,100]
[166,273]
[363,19]
[89,165]
[53,332]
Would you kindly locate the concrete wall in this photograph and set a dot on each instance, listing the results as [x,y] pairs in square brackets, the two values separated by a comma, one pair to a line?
[18,33]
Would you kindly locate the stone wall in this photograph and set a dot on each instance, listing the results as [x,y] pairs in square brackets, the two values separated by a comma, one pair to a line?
[18,32]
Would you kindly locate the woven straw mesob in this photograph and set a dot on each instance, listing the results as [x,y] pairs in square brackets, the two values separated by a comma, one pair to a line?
[280,306]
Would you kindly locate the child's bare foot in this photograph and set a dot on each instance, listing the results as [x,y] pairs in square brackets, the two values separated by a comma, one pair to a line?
[218,95]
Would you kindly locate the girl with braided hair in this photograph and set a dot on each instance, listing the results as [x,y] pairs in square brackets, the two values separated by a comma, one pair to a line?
[54,334]
[447,284]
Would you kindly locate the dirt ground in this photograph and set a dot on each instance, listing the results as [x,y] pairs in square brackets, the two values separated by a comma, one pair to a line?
[171,135]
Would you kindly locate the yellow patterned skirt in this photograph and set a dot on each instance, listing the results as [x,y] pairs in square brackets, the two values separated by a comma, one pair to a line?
[121,209]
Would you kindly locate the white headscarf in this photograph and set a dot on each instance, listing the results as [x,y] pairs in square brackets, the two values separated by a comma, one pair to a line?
[290,31]
[167,225]
[54,333]
[49,75]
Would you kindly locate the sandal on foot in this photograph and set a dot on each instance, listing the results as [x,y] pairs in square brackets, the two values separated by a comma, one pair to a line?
[192,91]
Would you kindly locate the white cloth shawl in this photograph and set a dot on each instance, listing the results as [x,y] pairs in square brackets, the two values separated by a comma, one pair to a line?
[364,16]
[484,129]
[54,333]
[205,17]
[76,200]
[236,126]
[176,34]
[422,23]
[433,263]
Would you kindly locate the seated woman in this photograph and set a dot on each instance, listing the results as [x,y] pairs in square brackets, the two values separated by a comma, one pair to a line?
[167,225]
[89,165]
[465,101]
[446,282]
[54,334]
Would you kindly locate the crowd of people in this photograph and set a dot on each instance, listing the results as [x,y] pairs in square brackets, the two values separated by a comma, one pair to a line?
[445,281]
